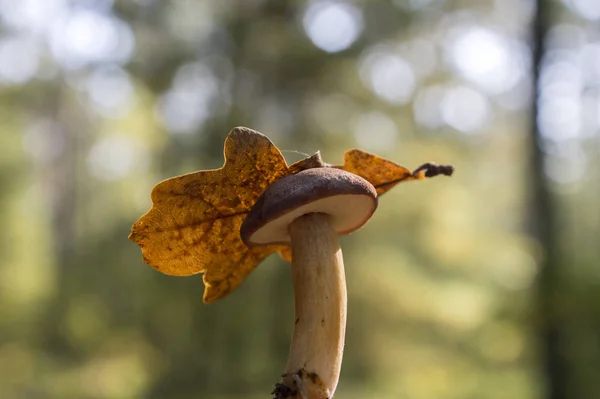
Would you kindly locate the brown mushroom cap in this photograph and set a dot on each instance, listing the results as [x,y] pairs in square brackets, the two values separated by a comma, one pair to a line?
[347,198]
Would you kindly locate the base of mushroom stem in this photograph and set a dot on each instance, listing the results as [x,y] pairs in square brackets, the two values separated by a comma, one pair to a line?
[300,385]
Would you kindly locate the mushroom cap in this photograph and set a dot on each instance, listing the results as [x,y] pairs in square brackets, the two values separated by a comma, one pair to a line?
[347,198]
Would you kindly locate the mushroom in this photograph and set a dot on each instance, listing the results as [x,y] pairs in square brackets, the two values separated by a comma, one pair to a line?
[308,210]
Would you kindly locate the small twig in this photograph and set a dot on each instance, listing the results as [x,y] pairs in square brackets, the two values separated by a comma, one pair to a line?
[432,169]
[313,161]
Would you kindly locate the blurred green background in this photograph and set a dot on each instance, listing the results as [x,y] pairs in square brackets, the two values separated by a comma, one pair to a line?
[485,285]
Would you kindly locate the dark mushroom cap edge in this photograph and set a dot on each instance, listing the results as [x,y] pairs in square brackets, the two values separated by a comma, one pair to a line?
[348,199]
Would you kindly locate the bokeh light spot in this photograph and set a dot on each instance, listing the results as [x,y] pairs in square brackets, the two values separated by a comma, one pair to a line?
[332,26]
[84,36]
[388,75]
[486,58]
[33,16]
[190,100]
[19,59]
[559,117]
[465,109]
[590,64]
[426,107]
[560,111]
[110,90]
[589,9]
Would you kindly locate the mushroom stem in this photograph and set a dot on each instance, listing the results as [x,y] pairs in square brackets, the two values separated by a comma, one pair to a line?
[315,358]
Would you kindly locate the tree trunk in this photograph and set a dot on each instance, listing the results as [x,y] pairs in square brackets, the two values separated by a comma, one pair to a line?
[542,213]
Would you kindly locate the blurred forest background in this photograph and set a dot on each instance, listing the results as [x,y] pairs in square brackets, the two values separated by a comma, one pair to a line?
[485,285]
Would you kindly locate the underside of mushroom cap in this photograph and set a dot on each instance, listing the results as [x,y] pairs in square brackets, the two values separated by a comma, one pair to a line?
[348,199]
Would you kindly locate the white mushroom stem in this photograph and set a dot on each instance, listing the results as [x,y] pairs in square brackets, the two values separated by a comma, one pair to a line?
[315,358]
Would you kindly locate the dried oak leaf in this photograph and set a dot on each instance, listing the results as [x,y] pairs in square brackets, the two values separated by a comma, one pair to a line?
[193,225]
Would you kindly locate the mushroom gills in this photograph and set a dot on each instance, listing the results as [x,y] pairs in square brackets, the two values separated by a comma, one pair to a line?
[346,212]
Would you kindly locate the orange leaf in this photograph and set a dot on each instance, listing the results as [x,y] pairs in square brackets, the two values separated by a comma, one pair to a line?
[380,172]
[193,225]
